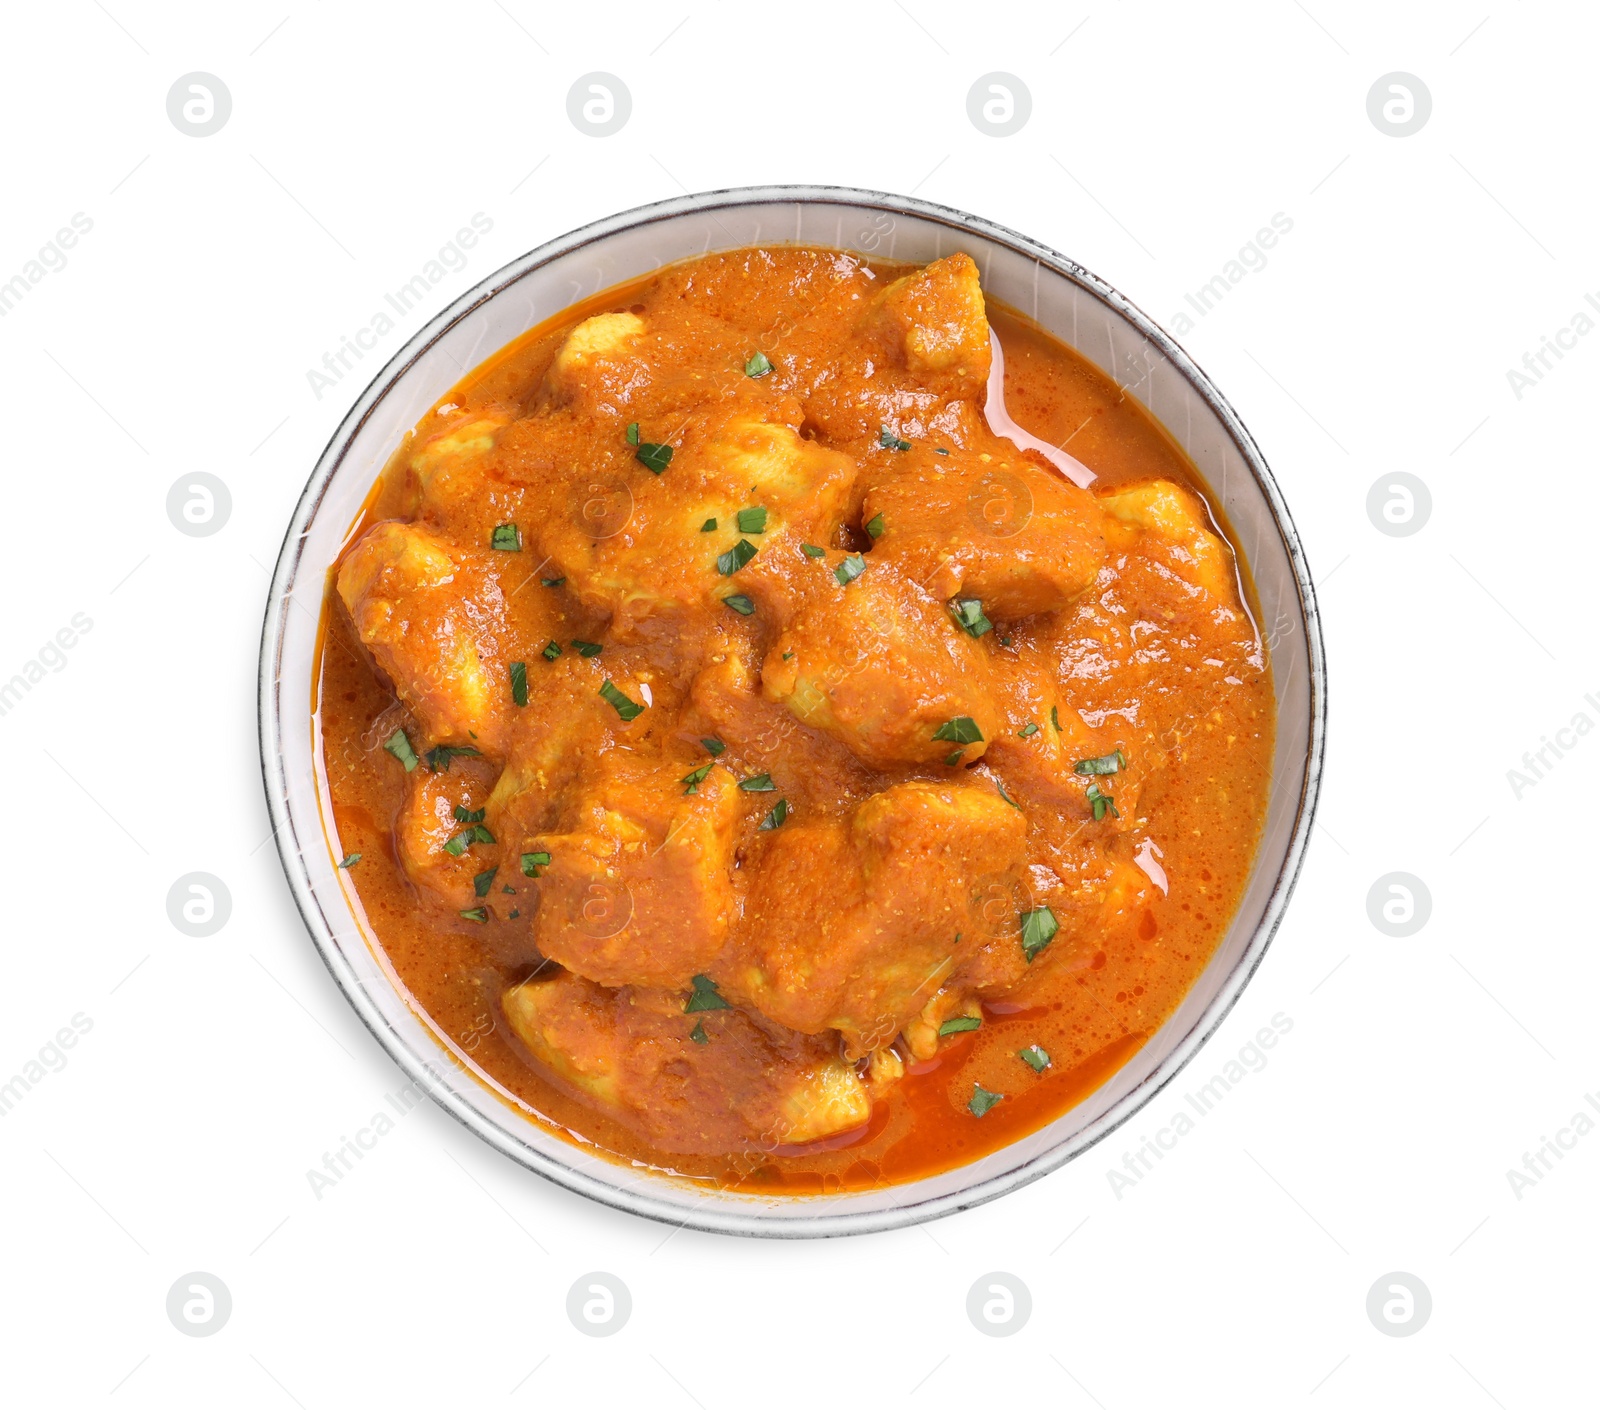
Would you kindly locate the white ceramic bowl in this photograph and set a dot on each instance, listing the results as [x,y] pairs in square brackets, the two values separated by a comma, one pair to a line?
[1073,304]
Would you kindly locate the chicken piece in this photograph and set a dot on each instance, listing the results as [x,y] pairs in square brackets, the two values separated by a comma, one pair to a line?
[989,526]
[434,623]
[430,818]
[1174,521]
[939,314]
[632,1054]
[853,924]
[654,557]
[638,888]
[880,666]
[445,474]
[586,359]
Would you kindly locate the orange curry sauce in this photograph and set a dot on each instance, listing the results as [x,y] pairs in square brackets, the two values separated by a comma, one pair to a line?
[1157,657]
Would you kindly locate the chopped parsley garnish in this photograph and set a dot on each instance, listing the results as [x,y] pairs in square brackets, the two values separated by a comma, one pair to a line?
[532,861]
[509,890]
[552,582]
[851,569]
[1035,1057]
[551,651]
[438,758]
[889,441]
[695,777]
[709,526]
[1055,719]
[1028,730]
[812,551]
[1105,764]
[399,744]
[983,1100]
[1000,788]
[698,1033]
[954,756]
[757,365]
[628,709]
[735,558]
[759,783]
[968,612]
[1005,641]
[940,450]
[714,747]
[961,1023]
[519,682]
[875,526]
[586,649]
[1038,930]
[350,861]
[775,819]
[705,995]
[468,815]
[961,730]
[458,844]
[479,833]
[1102,803]
[483,881]
[654,458]
[753,521]
[632,433]
[514,913]
[740,604]
[480,914]
[506,536]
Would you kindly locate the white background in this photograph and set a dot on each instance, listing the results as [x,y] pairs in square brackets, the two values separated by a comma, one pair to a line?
[1378,338]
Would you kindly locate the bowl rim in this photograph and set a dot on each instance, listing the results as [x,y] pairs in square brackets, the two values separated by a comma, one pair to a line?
[635,1200]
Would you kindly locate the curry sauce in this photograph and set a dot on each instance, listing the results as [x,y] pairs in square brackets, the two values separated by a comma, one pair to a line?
[757,768]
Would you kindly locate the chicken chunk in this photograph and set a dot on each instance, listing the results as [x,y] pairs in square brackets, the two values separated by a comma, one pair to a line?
[606,336]
[1174,522]
[434,623]
[938,311]
[854,924]
[632,1053]
[880,666]
[638,887]
[445,470]
[990,526]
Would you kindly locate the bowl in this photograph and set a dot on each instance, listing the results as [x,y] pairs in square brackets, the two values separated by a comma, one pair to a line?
[1073,304]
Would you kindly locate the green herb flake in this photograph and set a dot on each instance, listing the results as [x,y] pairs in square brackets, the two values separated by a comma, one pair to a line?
[983,1100]
[468,815]
[399,744]
[519,682]
[1055,719]
[1104,764]
[480,834]
[632,433]
[735,558]
[514,913]
[695,777]
[507,537]
[961,730]
[1102,803]
[709,526]
[954,756]
[698,1034]
[1035,1057]
[1038,930]
[551,651]
[812,551]
[509,890]
[968,612]
[480,914]
[350,861]
[890,441]
[552,582]
[753,521]
[740,604]
[654,458]
[586,649]
[757,365]
[458,844]
[1028,730]
[759,783]
[438,758]
[532,861]
[851,569]
[705,996]
[1006,641]
[483,881]
[628,709]
[875,526]
[940,450]
[1000,788]
[776,818]
[961,1023]
[714,747]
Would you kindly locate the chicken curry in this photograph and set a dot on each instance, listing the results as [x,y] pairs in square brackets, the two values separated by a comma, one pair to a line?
[758,767]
